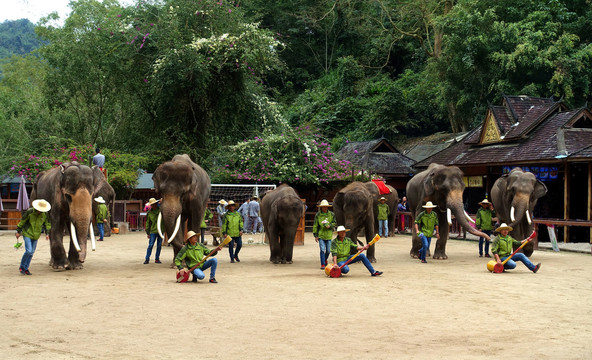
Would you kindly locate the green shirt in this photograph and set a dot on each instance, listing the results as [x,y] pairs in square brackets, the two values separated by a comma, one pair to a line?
[233,224]
[102,213]
[427,223]
[383,211]
[207,216]
[483,220]
[192,254]
[342,249]
[32,224]
[152,221]
[322,230]
[503,245]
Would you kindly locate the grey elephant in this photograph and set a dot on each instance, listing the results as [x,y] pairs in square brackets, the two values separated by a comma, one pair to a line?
[281,211]
[184,188]
[69,189]
[102,188]
[392,199]
[514,197]
[354,208]
[444,187]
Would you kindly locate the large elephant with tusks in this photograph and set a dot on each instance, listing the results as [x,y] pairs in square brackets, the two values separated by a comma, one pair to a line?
[281,211]
[185,189]
[444,187]
[69,188]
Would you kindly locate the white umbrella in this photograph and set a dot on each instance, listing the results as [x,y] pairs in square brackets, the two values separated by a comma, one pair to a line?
[22,202]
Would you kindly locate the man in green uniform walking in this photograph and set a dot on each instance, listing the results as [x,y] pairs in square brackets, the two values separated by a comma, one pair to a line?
[31,225]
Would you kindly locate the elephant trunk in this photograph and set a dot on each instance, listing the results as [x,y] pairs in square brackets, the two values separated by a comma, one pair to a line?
[519,209]
[170,214]
[80,220]
[455,205]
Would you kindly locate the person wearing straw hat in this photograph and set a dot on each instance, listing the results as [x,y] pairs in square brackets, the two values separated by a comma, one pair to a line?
[382,217]
[341,248]
[428,220]
[192,253]
[152,231]
[102,216]
[221,211]
[322,229]
[32,223]
[483,224]
[502,248]
[233,227]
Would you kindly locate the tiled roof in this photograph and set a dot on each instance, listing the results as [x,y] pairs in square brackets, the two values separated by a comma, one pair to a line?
[361,154]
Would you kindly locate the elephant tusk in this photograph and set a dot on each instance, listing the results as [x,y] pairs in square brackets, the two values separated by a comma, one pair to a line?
[93,242]
[468,217]
[528,218]
[177,226]
[449,216]
[73,236]
[158,221]
[512,218]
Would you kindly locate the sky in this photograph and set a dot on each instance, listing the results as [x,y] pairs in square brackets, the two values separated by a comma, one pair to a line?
[32,9]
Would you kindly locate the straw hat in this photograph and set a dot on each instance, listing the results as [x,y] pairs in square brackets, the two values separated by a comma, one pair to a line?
[189,235]
[340,228]
[100,200]
[504,226]
[223,202]
[41,205]
[324,203]
[485,201]
[382,198]
[429,205]
[230,202]
[152,201]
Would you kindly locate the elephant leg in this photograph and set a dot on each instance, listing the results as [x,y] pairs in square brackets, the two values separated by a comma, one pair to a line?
[58,253]
[371,252]
[73,258]
[416,244]
[440,251]
[274,245]
[288,245]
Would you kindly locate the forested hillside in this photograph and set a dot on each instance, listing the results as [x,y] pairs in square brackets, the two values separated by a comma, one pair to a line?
[17,37]
[222,80]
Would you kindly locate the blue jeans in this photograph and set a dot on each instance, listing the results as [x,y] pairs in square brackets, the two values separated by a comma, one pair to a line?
[211,262]
[383,228]
[154,238]
[425,242]
[325,246]
[101,227]
[483,240]
[511,264]
[361,258]
[239,244]
[30,246]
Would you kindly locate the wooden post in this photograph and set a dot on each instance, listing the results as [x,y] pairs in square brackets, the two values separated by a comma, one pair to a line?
[566,183]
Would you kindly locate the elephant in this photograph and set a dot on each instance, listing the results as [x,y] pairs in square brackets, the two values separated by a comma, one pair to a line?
[185,189]
[69,188]
[354,208]
[105,190]
[443,186]
[514,197]
[392,199]
[281,211]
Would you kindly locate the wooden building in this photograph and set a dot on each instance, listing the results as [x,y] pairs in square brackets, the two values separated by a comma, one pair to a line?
[540,135]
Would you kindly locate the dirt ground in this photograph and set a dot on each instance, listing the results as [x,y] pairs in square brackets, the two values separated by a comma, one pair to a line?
[118,308]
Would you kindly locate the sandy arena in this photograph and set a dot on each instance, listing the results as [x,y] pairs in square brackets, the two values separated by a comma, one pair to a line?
[118,308]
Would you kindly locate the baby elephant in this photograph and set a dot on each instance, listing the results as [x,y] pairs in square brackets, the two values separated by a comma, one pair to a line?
[281,211]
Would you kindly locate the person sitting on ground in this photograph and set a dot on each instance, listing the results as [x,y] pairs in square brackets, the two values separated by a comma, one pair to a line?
[152,231]
[429,223]
[483,224]
[192,253]
[32,224]
[502,248]
[102,217]
[233,227]
[322,229]
[341,248]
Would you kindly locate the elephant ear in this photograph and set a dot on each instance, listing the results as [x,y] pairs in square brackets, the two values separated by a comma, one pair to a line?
[428,184]
[540,189]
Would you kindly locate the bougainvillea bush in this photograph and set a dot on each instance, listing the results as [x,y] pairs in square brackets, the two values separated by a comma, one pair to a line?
[298,155]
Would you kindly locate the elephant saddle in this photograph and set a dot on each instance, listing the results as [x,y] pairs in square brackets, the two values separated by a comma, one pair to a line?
[382,188]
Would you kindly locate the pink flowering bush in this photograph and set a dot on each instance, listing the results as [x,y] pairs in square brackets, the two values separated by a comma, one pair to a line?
[298,156]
